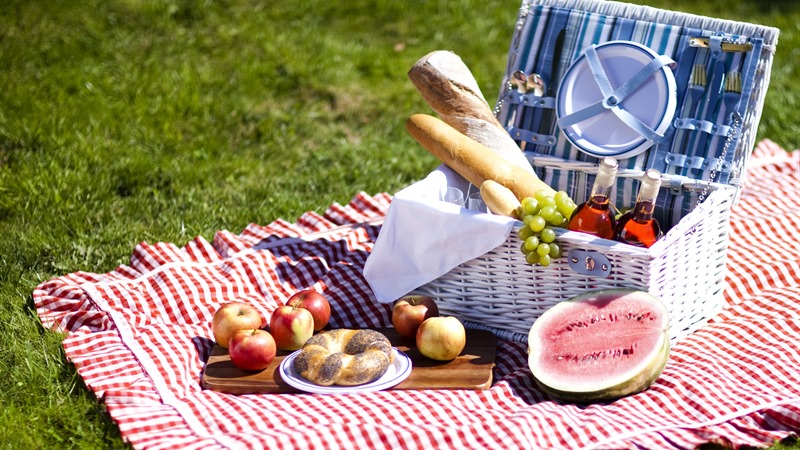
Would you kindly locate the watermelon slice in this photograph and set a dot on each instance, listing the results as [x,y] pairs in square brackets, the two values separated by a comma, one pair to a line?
[599,346]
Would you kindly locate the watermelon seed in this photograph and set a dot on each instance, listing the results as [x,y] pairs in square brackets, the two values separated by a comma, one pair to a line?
[593,356]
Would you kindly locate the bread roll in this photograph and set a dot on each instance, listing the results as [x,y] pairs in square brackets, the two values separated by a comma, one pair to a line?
[499,199]
[344,357]
[471,159]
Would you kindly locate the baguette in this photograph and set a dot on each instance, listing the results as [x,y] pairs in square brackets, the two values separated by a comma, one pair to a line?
[471,159]
[499,199]
[448,86]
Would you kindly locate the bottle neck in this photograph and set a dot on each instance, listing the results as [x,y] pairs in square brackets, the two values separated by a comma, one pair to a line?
[600,192]
[643,211]
[606,176]
[648,192]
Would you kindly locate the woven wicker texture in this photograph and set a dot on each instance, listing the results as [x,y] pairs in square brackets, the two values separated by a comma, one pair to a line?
[499,291]
[502,292]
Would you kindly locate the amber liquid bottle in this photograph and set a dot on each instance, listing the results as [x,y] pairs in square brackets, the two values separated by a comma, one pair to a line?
[637,226]
[596,216]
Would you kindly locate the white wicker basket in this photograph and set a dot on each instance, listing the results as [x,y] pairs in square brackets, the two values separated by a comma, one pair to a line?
[499,291]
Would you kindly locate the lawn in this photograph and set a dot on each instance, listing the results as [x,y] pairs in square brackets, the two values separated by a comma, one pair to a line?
[124,121]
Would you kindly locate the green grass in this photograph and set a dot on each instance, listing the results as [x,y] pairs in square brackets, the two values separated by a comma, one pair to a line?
[139,120]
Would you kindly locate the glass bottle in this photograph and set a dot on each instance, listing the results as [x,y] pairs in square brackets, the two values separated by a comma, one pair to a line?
[638,226]
[596,216]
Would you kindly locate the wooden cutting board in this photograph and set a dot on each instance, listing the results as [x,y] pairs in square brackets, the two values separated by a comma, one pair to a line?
[470,370]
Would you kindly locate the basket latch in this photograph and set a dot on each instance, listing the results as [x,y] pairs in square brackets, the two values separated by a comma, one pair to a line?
[587,262]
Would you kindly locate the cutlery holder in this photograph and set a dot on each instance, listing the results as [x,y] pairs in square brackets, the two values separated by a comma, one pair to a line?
[721,71]
[702,152]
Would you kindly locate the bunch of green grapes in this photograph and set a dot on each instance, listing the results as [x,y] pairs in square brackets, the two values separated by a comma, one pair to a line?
[540,214]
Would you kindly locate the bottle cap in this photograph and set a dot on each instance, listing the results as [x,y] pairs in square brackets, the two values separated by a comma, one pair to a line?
[609,162]
[652,174]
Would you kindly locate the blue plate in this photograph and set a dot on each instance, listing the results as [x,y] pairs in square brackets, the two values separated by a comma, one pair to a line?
[605,134]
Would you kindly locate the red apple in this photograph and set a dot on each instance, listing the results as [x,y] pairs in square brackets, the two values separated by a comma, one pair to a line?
[291,327]
[232,317]
[315,303]
[252,349]
[410,311]
[441,338]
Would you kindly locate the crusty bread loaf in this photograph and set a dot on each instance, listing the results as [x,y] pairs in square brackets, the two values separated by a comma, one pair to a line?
[499,199]
[448,86]
[471,159]
[344,357]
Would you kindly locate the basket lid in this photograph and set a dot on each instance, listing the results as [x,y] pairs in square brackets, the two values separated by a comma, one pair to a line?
[708,129]
[617,99]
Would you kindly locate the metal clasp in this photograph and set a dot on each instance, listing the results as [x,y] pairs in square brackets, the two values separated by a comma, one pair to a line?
[587,262]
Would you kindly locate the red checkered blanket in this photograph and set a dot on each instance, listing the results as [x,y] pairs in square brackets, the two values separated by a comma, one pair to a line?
[140,335]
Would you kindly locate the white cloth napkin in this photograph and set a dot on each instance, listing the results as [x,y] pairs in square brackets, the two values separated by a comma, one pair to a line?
[422,238]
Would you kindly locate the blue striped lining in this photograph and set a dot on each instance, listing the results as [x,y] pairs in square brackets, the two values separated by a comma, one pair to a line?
[583,28]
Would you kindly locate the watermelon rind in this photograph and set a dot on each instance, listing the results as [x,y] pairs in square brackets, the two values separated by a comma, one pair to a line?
[611,385]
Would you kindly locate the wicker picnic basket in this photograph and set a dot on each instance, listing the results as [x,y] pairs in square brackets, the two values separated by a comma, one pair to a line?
[703,157]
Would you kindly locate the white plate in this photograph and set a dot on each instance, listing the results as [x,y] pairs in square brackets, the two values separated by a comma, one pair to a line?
[395,374]
[604,134]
